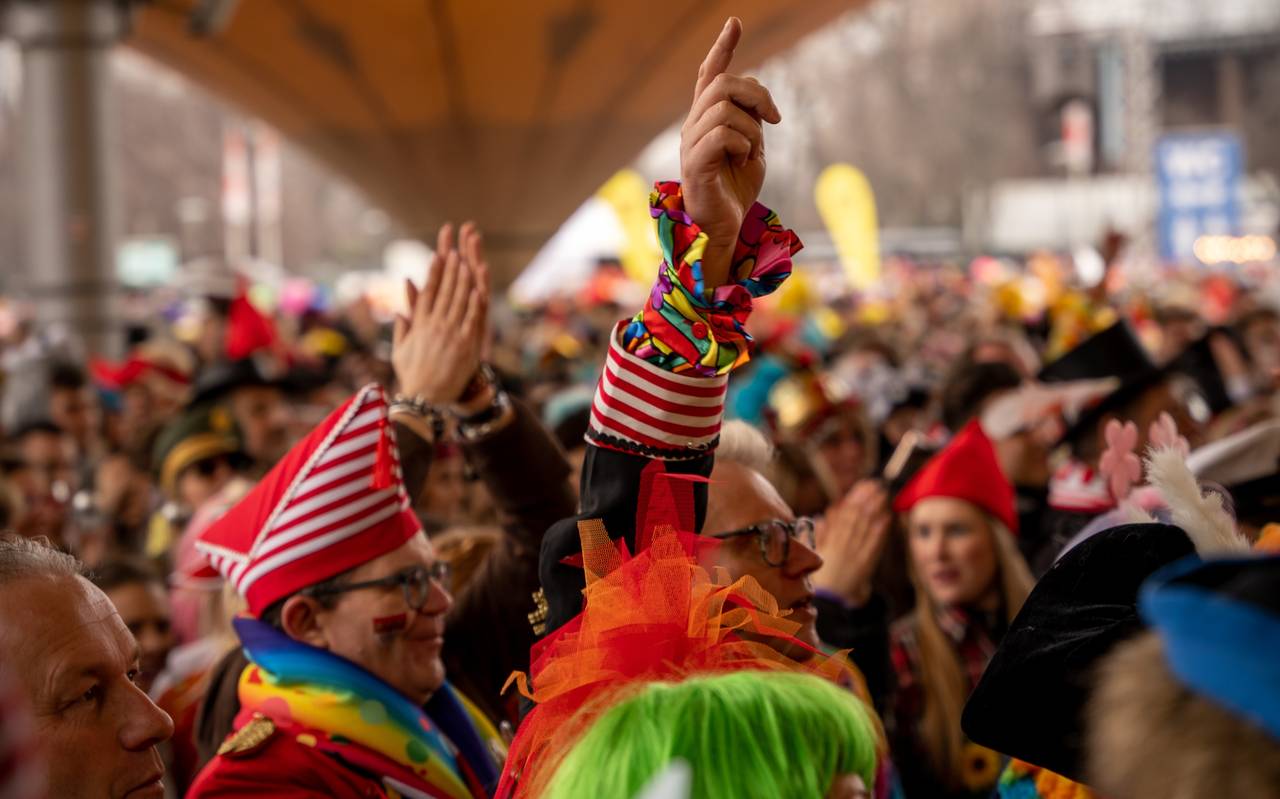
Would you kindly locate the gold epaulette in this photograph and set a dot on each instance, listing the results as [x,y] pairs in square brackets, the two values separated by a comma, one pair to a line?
[249,738]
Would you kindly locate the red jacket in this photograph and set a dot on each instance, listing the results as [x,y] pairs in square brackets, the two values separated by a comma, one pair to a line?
[281,768]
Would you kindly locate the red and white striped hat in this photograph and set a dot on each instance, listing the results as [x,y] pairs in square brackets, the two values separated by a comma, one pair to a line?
[337,500]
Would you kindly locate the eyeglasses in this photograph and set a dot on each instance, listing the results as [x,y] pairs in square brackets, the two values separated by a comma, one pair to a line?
[415,583]
[775,537]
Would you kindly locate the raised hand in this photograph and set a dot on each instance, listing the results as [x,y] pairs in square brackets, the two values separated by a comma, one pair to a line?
[436,348]
[722,163]
[851,539]
[471,247]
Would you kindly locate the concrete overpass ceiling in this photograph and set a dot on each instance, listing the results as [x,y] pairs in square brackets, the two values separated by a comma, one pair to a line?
[507,112]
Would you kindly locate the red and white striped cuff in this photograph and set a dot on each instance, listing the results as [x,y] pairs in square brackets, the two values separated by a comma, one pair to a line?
[641,407]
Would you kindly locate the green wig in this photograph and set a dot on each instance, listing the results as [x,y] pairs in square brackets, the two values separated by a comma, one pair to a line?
[772,735]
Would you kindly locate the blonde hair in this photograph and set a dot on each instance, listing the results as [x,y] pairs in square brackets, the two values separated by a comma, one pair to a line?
[217,610]
[466,549]
[944,679]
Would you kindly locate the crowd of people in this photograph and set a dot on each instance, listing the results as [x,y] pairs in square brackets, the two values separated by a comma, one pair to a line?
[985,531]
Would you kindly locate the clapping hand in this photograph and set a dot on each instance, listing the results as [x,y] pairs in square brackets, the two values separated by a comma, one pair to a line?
[722,163]
[851,539]
[437,346]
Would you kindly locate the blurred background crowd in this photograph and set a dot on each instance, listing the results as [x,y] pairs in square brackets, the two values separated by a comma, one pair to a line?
[1089,198]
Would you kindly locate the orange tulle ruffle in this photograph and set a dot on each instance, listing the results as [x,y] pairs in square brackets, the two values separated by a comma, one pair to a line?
[660,615]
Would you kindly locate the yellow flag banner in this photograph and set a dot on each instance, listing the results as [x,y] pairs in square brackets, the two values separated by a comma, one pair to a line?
[848,209]
[628,195]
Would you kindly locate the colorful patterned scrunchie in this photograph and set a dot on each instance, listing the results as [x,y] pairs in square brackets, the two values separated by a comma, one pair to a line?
[683,328]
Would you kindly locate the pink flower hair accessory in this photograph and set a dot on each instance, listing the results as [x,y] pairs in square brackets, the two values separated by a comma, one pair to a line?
[1164,435]
[1119,464]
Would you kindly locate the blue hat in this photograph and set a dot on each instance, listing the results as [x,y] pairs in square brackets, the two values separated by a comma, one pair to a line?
[1220,624]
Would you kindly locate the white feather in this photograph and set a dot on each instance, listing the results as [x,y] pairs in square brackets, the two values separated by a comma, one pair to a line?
[1132,513]
[1199,513]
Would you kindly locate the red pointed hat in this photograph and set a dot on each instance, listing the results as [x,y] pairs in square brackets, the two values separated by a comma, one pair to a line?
[337,500]
[248,329]
[965,469]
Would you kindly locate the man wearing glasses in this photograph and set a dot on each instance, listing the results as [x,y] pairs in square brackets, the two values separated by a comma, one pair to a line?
[345,694]
[779,552]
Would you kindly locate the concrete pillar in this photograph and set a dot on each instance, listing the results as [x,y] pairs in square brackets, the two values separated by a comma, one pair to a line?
[1142,101]
[1231,91]
[71,195]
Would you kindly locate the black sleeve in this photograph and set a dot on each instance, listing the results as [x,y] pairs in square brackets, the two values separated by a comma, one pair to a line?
[527,475]
[416,455]
[864,632]
[489,634]
[611,493]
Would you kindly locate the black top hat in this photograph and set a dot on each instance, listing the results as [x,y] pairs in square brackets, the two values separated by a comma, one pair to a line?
[1197,362]
[914,397]
[1113,352]
[1247,464]
[219,379]
[1256,502]
[1031,699]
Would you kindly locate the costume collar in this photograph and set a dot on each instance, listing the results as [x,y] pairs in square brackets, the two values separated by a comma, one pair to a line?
[959,623]
[447,745]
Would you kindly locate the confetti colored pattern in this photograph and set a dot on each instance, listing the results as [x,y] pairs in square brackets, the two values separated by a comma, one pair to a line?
[686,329]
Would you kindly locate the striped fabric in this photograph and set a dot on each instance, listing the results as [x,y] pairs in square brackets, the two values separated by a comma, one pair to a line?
[321,511]
[640,406]
[663,388]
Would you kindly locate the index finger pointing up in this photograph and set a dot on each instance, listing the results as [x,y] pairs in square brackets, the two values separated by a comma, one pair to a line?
[719,56]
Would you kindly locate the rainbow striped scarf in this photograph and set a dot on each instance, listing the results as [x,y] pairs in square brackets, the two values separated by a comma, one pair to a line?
[447,750]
